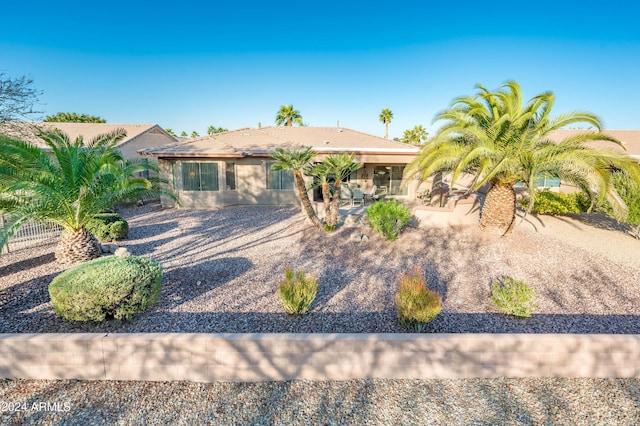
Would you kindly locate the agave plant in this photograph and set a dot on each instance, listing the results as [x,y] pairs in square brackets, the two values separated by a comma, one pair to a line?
[69,186]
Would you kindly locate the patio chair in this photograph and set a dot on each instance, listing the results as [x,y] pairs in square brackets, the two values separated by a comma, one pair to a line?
[371,195]
[358,197]
[346,195]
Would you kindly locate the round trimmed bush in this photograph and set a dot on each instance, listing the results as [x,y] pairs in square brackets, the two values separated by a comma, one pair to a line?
[105,288]
[108,227]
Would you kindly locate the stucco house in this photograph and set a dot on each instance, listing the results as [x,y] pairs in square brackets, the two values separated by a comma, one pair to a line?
[139,136]
[234,168]
[629,138]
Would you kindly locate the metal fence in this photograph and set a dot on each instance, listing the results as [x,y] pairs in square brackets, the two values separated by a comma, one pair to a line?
[31,234]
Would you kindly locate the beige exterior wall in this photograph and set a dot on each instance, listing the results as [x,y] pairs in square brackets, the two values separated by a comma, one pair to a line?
[251,182]
[242,357]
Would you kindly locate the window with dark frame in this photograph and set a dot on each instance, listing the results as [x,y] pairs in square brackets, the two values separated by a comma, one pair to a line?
[200,177]
[230,174]
[278,179]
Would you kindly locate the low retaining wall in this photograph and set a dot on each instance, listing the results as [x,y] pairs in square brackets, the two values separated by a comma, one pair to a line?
[264,357]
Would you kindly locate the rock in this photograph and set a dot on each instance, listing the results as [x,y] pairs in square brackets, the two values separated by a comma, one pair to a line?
[105,248]
[357,237]
[122,251]
[113,248]
[351,220]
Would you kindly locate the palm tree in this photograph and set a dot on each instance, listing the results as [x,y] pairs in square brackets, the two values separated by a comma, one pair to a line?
[415,136]
[287,116]
[69,187]
[295,161]
[500,141]
[340,166]
[385,117]
[321,177]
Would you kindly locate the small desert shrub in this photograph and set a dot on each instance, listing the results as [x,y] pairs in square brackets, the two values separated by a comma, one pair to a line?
[105,288]
[297,291]
[555,203]
[388,218]
[416,304]
[108,227]
[513,297]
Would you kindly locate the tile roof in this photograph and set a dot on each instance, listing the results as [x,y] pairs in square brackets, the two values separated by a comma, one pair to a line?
[262,141]
[28,131]
[629,138]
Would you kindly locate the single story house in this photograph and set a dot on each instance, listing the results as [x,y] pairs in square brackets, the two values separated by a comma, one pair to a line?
[629,138]
[234,167]
[139,136]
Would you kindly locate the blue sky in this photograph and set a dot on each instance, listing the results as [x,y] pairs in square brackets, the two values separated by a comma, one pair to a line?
[186,65]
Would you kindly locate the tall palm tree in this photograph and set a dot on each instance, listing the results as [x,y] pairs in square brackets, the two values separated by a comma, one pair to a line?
[502,142]
[385,117]
[287,116]
[69,187]
[295,161]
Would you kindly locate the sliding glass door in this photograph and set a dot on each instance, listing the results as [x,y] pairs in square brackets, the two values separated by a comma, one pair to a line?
[388,180]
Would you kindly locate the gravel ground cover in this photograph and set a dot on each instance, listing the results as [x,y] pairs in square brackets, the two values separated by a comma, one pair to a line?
[222,268]
[221,271]
[355,402]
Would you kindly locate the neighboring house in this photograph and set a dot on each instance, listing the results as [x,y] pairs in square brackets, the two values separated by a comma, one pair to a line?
[234,168]
[629,138]
[139,136]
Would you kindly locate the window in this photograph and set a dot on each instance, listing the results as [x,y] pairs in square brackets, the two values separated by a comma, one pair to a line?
[144,173]
[278,179]
[230,173]
[200,176]
[174,173]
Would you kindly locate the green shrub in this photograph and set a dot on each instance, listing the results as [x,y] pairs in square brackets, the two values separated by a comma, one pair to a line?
[388,218]
[108,227]
[416,304]
[513,297]
[105,288]
[297,291]
[555,203]
[630,194]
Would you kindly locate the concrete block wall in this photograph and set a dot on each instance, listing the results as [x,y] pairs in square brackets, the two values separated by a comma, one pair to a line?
[264,357]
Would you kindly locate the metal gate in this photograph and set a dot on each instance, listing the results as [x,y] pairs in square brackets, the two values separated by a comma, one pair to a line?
[31,234]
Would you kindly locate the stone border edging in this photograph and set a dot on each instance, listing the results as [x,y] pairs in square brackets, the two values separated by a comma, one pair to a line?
[282,356]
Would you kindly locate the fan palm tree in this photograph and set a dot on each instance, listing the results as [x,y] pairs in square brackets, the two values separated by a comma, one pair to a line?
[385,117]
[69,187]
[295,161]
[502,142]
[287,116]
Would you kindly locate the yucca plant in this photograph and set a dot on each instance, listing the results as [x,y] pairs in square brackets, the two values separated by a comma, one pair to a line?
[297,291]
[501,141]
[417,305]
[70,185]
